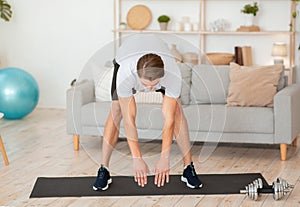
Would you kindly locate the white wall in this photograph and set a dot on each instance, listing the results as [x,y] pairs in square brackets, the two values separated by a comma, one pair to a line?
[53,40]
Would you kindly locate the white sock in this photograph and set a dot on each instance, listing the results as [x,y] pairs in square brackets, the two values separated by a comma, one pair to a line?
[105,167]
[187,165]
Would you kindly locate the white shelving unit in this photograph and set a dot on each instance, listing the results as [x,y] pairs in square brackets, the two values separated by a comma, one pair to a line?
[203,33]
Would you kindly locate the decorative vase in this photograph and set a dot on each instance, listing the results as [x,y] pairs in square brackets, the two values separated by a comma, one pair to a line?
[178,26]
[163,25]
[176,54]
[187,27]
[249,19]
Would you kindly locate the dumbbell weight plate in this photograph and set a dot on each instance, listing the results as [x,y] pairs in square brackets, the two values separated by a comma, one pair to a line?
[286,185]
[253,191]
[258,183]
[278,191]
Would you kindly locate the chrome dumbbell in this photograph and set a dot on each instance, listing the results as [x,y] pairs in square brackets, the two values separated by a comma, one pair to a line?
[280,188]
[252,189]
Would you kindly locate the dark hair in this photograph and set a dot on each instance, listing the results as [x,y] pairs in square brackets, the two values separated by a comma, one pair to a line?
[150,67]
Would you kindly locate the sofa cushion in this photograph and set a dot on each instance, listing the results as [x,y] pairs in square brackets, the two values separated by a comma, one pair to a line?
[202,117]
[209,84]
[95,113]
[220,118]
[149,116]
[253,86]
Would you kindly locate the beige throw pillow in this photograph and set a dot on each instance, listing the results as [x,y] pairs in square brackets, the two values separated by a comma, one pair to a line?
[148,97]
[253,86]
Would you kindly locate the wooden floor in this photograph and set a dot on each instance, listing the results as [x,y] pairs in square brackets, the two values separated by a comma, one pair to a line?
[38,145]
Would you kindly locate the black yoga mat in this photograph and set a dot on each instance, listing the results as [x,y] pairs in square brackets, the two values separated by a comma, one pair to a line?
[125,186]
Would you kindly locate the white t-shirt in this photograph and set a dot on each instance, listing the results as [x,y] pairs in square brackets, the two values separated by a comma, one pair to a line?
[134,47]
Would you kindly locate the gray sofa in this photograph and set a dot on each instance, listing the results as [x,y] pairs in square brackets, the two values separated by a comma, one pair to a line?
[204,92]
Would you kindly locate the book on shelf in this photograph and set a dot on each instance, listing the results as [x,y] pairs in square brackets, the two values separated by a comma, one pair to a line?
[238,58]
[243,55]
[247,55]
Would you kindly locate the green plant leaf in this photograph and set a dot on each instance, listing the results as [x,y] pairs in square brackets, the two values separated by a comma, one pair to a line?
[163,18]
[5,10]
[250,9]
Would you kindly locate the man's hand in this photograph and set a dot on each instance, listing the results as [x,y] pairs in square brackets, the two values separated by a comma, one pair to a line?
[162,170]
[141,170]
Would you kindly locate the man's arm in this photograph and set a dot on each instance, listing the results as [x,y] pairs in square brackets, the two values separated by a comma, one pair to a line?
[168,110]
[128,108]
[162,167]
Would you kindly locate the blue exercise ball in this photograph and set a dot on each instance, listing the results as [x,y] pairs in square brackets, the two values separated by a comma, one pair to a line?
[19,93]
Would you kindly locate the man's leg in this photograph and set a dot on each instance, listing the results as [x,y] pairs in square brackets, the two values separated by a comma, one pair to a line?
[110,137]
[111,132]
[182,136]
[112,125]
[181,133]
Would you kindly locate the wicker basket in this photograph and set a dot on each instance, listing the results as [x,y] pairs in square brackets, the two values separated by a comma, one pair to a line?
[219,58]
[190,57]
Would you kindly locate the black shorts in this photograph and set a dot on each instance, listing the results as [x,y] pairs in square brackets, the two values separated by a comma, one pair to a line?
[113,91]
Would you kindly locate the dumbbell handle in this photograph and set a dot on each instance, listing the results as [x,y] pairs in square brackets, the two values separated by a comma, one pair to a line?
[265,189]
[243,191]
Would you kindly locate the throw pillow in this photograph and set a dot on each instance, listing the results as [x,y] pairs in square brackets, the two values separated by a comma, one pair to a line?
[210,84]
[148,97]
[186,76]
[253,86]
[103,84]
[281,82]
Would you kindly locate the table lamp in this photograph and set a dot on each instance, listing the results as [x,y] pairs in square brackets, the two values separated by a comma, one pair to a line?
[279,51]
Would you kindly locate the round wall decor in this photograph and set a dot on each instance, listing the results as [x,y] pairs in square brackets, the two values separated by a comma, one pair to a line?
[139,17]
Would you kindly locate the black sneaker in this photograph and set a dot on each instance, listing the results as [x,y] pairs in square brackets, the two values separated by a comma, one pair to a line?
[103,179]
[190,177]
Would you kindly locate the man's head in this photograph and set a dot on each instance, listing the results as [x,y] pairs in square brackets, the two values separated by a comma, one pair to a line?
[150,69]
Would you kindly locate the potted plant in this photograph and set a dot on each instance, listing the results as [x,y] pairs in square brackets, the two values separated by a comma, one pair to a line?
[122,25]
[163,21]
[5,10]
[250,12]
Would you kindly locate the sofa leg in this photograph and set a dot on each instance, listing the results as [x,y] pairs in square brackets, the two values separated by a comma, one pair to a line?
[294,143]
[76,141]
[283,149]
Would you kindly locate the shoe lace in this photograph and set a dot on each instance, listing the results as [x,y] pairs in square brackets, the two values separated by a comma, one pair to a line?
[193,170]
[101,173]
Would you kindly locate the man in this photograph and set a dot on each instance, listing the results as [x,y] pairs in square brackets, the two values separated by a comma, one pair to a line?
[144,63]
